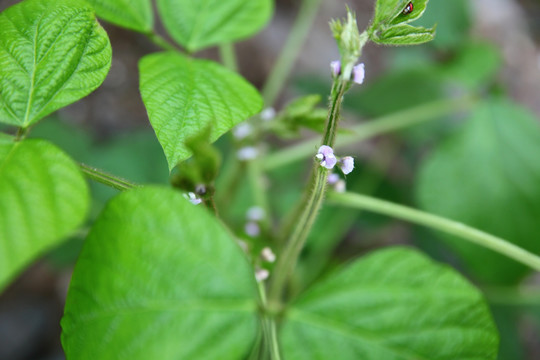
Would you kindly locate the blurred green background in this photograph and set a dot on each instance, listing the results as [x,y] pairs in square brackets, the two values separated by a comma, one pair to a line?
[478,163]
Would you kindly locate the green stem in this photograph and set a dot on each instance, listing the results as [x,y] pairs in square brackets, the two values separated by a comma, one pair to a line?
[515,296]
[303,220]
[293,46]
[448,226]
[228,56]
[399,120]
[21,134]
[161,42]
[269,327]
[105,178]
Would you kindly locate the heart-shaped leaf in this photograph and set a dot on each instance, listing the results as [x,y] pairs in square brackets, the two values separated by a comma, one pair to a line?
[43,197]
[488,176]
[184,96]
[52,53]
[159,278]
[132,14]
[202,23]
[394,305]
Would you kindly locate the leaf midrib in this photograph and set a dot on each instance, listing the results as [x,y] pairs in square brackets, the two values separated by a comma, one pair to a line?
[302,317]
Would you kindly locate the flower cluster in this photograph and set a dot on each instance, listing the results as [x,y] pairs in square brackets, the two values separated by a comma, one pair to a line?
[328,160]
[358,72]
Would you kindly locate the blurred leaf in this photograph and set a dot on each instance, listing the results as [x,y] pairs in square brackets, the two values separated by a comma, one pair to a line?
[52,53]
[159,278]
[398,91]
[132,14]
[183,96]
[395,304]
[487,176]
[199,24]
[43,198]
[475,65]
[453,22]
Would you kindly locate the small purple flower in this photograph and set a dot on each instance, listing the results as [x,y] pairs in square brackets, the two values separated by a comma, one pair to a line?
[247,153]
[268,255]
[358,73]
[332,178]
[242,131]
[346,164]
[326,157]
[340,186]
[261,274]
[255,213]
[335,67]
[193,198]
[252,229]
[268,114]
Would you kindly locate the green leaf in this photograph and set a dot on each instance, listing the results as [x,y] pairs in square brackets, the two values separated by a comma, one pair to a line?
[390,24]
[392,12]
[199,24]
[405,35]
[43,198]
[394,305]
[159,278]
[184,96]
[52,53]
[132,14]
[487,176]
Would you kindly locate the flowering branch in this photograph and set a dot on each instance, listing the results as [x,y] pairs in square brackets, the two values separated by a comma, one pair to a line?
[350,43]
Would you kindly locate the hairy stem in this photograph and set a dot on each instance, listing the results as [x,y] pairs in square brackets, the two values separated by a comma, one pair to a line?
[303,220]
[397,121]
[293,46]
[448,226]
[105,178]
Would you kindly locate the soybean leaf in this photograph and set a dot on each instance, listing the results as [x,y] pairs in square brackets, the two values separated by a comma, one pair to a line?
[392,12]
[199,24]
[132,14]
[43,198]
[487,176]
[405,35]
[159,278]
[390,23]
[52,53]
[184,96]
[394,305]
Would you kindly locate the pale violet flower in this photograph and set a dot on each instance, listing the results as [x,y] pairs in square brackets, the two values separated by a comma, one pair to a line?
[340,186]
[346,164]
[261,274]
[268,114]
[247,153]
[332,178]
[255,213]
[200,189]
[358,73]
[193,198]
[335,68]
[242,131]
[326,157]
[252,229]
[268,255]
